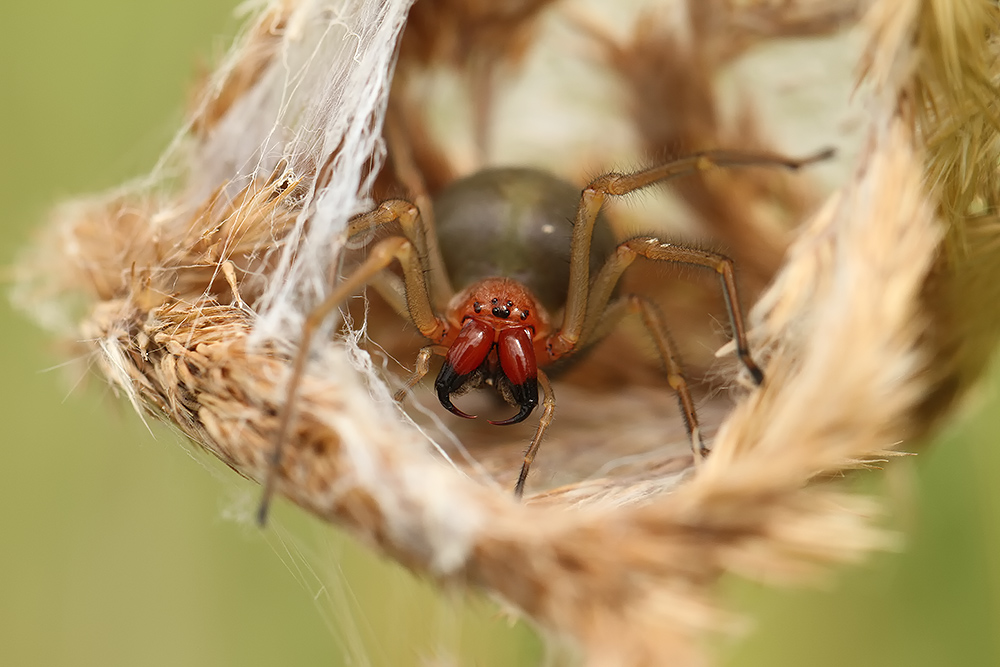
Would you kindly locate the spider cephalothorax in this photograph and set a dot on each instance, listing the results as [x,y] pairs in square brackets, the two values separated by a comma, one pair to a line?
[523,246]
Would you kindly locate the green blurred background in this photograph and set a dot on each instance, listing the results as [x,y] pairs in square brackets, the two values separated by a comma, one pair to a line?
[120,547]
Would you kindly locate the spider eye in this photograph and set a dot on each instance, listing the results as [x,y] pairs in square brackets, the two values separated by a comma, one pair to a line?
[477,306]
[524,315]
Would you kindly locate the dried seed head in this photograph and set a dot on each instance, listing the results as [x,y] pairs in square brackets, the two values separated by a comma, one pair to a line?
[193,300]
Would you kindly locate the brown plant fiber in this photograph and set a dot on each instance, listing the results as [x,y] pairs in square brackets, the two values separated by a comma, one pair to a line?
[865,331]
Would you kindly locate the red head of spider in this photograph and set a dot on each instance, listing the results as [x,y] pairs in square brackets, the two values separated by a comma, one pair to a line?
[497,333]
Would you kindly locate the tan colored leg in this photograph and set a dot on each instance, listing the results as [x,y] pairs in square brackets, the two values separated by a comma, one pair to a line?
[423,367]
[653,320]
[548,412]
[654,249]
[393,290]
[384,253]
[417,297]
[568,335]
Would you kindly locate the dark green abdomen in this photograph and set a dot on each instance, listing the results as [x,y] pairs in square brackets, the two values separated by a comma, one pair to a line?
[515,223]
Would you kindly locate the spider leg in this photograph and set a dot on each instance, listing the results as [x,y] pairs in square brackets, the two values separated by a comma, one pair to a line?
[423,366]
[654,249]
[390,286]
[568,336]
[548,412]
[653,320]
[392,289]
[421,312]
[416,293]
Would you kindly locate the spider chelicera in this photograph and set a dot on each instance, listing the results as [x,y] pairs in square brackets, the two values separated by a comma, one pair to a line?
[536,283]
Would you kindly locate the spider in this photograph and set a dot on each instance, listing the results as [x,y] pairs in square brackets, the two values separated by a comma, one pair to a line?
[537,283]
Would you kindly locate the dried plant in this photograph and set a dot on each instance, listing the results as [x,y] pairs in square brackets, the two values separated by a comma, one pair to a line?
[191,286]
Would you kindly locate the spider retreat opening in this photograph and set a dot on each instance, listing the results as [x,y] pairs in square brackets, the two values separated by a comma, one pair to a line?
[517,276]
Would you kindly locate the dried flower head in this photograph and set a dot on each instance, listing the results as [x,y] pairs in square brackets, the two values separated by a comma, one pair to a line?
[192,288]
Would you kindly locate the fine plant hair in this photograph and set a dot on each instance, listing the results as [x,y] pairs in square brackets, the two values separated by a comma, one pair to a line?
[190,287]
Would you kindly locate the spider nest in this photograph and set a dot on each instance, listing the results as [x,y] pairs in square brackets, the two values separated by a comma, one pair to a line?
[192,288]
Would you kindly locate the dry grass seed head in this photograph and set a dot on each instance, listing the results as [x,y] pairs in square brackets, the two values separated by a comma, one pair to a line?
[629,571]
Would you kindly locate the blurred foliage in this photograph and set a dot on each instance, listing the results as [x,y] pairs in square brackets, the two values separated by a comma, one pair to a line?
[119,546]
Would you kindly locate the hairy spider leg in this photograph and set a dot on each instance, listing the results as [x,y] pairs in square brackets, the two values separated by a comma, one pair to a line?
[415,276]
[654,249]
[601,316]
[422,367]
[381,256]
[653,321]
[548,412]
[566,338]
[584,310]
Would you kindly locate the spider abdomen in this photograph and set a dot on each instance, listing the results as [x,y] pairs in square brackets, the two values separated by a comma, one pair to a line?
[514,223]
